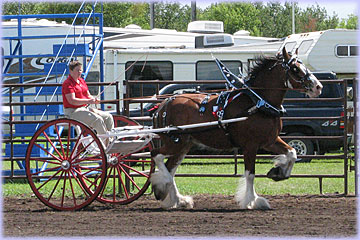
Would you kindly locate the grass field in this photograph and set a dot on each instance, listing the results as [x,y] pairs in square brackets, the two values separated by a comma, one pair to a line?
[228,185]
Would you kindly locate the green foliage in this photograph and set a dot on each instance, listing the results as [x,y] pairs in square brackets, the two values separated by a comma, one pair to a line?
[350,23]
[275,19]
[228,185]
[13,8]
[315,18]
[271,19]
[172,16]
[235,16]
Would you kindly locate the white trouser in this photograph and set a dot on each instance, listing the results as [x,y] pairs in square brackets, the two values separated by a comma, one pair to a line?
[101,121]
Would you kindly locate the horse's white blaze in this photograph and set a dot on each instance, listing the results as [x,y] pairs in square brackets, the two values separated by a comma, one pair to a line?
[316,84]
[286,162]
[317,87]
[289,85]
[246,196]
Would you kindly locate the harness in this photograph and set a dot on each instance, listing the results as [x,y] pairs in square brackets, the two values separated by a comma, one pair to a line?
[260,104]
[226,97]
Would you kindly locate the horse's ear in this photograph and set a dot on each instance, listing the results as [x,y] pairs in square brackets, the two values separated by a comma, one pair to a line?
[285,54]
[297,51]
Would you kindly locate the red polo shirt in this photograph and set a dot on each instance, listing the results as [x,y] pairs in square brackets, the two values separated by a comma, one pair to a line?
[71,86]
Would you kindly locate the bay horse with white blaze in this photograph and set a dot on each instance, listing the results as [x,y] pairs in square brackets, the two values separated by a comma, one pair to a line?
[270,78]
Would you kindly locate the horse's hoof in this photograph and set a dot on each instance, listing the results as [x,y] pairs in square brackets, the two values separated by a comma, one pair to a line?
[159,195]
[276,174]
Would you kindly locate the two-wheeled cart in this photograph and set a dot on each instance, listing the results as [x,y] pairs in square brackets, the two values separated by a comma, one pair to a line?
[77,166]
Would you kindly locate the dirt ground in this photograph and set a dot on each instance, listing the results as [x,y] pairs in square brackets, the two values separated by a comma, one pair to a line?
[212,215]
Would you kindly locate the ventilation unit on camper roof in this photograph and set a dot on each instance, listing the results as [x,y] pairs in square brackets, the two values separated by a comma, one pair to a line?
[206,27]
[216,40]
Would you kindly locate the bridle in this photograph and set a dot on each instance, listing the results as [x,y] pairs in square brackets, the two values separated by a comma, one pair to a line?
[290,66]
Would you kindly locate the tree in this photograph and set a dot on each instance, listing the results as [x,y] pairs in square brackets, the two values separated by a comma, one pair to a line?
[272,19]
[350,23]
[315,18]
[12,8]
[172,16]
[235,16]
[276,19]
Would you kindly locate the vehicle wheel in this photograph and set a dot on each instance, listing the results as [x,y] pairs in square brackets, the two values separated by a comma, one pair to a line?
[65,171]
[302,147]
[128,176]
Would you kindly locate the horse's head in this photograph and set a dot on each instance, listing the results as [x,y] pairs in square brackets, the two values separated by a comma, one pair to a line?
[298,76]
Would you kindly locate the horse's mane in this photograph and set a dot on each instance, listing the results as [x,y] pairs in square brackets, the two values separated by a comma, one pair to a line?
[261,62]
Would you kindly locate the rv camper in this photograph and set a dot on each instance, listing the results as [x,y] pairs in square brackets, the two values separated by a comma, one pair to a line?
[329,50]
[171,55]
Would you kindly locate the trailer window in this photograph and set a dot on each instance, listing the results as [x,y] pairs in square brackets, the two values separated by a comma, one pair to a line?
[346,50]
[149,70]
[208,70]
[305,46]
[353,50]
[289,46]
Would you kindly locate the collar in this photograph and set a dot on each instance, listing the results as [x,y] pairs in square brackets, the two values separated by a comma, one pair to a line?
[73,80]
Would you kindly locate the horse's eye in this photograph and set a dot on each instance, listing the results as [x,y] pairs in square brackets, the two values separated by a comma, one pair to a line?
[295,70]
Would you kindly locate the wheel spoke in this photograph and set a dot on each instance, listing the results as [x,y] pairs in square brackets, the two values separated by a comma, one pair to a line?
[45,150]
[82,150]
[106,181]
[52,144]
[68,141]
[57,182]
[133,169]
[49,180]
[71,187]
[79,183]
[77,143]
[45,161]
[122,182]
[83,176]
[114,186]
[129,177]
[59,138]
[46,170]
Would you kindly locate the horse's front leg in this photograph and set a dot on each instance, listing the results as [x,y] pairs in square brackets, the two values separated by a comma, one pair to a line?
[246,196]
[284,162]
[163,181]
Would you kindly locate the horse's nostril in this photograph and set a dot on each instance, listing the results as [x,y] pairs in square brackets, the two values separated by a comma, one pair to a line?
[318,87]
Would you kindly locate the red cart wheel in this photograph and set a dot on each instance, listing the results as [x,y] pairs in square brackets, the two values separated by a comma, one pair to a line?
[66,164]
[128,176]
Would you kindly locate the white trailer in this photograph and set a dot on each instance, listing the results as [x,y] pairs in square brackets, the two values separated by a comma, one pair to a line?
[329,50]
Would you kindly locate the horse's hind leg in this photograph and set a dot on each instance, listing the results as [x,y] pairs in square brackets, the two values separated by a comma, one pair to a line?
[283,162]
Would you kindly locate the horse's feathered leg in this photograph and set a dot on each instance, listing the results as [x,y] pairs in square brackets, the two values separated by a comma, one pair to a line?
[246,196]
[174,198]
[163,182]
[161,177]
[283,162]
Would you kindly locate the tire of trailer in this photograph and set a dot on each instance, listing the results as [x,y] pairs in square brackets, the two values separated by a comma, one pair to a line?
[302,146]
